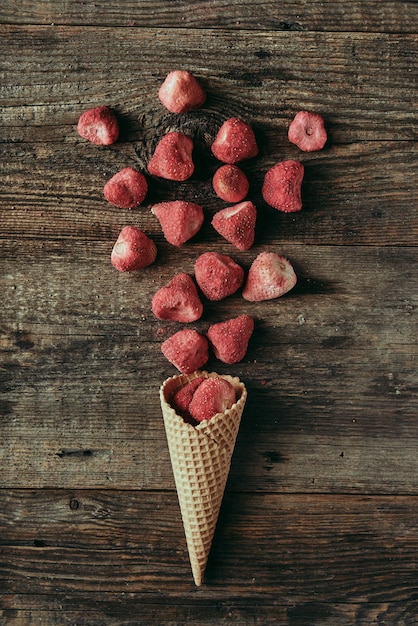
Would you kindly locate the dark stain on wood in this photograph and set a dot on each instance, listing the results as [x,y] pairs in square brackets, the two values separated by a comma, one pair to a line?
[337,341]
[272,458]
[311,613]
[6,407]
[23,340]
[262,54]
[288,26]
[312,286]
[84,454]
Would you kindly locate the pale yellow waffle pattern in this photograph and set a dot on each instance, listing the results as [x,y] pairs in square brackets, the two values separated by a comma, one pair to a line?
[201,458]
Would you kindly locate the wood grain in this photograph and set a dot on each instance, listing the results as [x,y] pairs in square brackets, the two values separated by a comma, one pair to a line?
[399,16]
[117,543]
[343,203]
[364,85]
[318,524]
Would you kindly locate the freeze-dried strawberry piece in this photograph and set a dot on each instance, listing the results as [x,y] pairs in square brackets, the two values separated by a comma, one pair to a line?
[172,158]
[269,276]
[133,250]
[180,220]
[217,275]
[307,131]
[178,300]
[212,396]
[181,92]
[237,224]
[187,350]
[99,125]
[182,398]
[235,141]
[126,189]
[282,186]
[230,183]
[230,339]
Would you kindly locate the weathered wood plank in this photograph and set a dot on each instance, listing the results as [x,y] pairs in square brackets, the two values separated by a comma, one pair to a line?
[112,553]
[332,366]
[128,609]
[387,16]
[364,85]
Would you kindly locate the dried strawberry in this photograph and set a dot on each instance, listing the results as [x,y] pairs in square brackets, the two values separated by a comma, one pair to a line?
[187,350]
[180,220]
[269,276]
[172,158]
[282,186]
[230,183]
[217,275]
[178,300]
[307,131]
[235,141]
[212,396]
[126,189]
[230,339]
[133,250]
[99,125]
[181,92]
[237,224]
[182,398]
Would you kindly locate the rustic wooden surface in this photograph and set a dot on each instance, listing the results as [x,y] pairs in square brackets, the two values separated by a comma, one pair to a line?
[319,522]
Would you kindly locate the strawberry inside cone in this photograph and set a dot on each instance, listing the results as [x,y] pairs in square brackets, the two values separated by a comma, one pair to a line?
[182,399]
[202,398]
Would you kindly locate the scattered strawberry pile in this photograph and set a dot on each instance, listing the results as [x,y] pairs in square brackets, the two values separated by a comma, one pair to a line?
[216,275]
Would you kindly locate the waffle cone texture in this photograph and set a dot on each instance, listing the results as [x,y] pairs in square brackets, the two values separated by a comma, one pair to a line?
[201,458]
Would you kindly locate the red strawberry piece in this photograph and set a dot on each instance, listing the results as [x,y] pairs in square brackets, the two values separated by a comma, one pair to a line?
[126,189]
[234,142]
[217,275]
[180,92]
[269,276]
[282,186]
[180,220]
[182,398]
[172,158]
[230,339]
[133,250]
[230,183]
[307,131]
[237,224]
[178,300]
[99,125]
[187,350]
[212,396]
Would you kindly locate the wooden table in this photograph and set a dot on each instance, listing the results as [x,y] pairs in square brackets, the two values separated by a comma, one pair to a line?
[319,520]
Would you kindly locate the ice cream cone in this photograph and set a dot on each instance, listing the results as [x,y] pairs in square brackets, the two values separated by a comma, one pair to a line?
[201,458]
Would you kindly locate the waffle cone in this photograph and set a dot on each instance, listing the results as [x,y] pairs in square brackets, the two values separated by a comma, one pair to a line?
[201,458]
